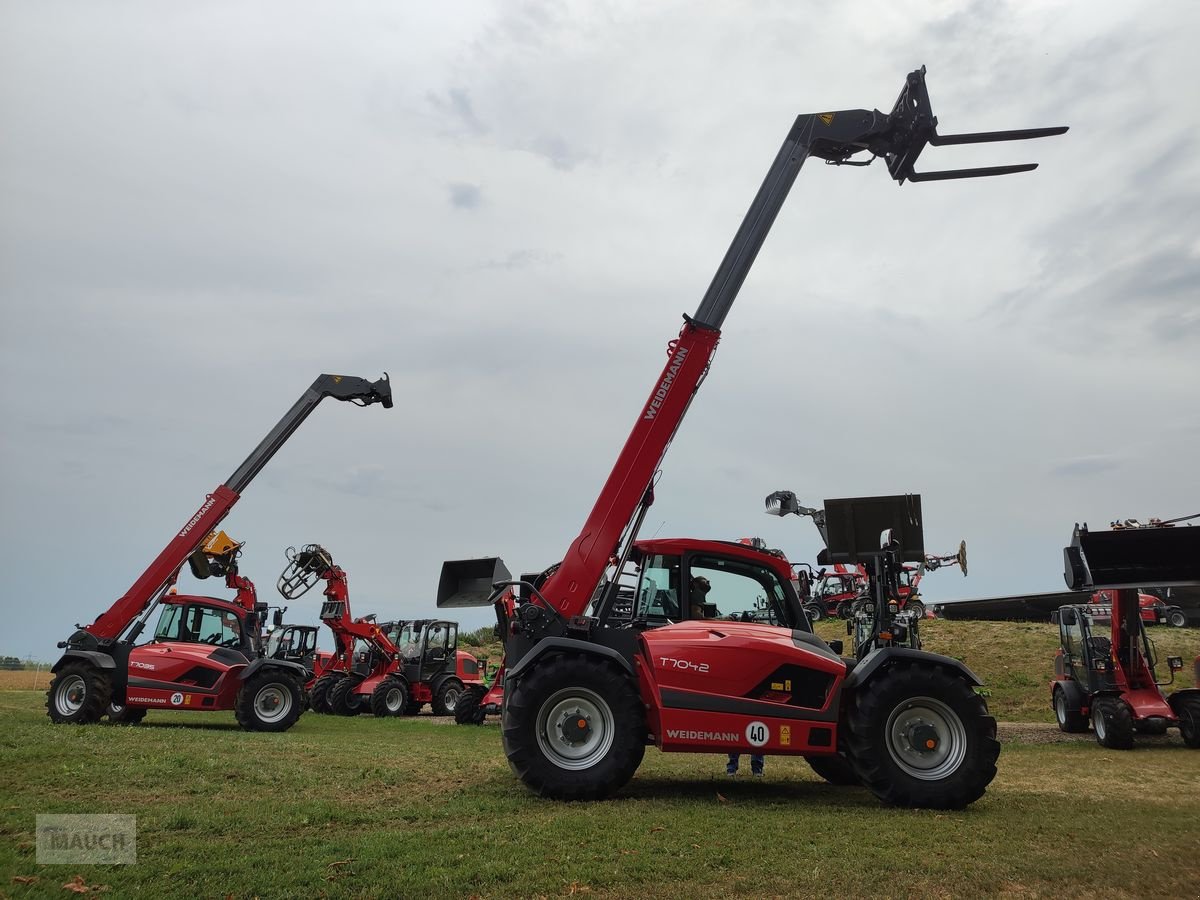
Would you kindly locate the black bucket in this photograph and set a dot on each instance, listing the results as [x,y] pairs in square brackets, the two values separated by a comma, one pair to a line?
[468,582]
[1132,557]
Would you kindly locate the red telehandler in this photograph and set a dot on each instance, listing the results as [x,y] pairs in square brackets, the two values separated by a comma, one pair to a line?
[586,690]
[205,654]
[1104,668]
[390,669]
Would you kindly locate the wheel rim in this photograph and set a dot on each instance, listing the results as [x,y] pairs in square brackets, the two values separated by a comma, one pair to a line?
[1060,707]
[916,724]
[450,699]
[272,703]
[71,695]
[1177,620]
[575,728]
[1099,724]
[394,700]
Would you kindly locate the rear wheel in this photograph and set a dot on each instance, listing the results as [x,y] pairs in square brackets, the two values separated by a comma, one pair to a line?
[845,610]
[815,612]
[389,698]
[318,697]
[1176,617]
[269,701]
[447,697]
[344,699]
[78,695]
[574,728]
[469,709]
[835,769]
[916,607]
[920,736]
[1070,719]
[120,714]
[1187,710]
[1113,723]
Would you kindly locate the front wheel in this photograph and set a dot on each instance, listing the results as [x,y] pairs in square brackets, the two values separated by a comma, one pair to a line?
[574,728]
[1070,720]
[318,697]
[1176,617]
[920,736]
[845,610]
[1113,723]
[447,697]
[916,607]
[469,709]
[344,699]
[78,695]
[815,613]
[1187,710]
[389,698]
[269,701]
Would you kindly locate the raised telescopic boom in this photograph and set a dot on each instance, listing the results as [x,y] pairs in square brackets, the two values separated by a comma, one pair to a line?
[898,137]
[161,573]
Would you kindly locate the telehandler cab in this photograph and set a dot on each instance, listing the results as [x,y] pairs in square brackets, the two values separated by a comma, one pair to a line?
[206,653]
[586,691]
[1104,668]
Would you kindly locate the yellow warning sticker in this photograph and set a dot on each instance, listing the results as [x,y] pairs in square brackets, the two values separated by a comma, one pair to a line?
[785,735]
[187,699]
[827,118]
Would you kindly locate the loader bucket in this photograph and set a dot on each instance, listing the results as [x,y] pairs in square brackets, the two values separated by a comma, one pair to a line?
[468,582]
[1132,557]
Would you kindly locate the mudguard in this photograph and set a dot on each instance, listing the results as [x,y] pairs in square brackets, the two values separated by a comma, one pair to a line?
[259,664]
[559,644]
[887,655]
[97,658]
[1073,692]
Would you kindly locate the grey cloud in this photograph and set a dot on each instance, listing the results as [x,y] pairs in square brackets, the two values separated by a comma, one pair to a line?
[456,105]
[465,196]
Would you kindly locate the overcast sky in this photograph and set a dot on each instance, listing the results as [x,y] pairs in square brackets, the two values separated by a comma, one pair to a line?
[507,206]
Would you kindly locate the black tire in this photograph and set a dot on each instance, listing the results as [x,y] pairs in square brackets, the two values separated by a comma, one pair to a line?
[344,699]
[469,710]
[815,612]
[1187,710]
[1153,727]
[318,697]
[845,610]
[269,701]
[924,702]
[916,607]
[835,769]
[1070,720]
[1113,723]
[119,714]
[558,758]
[414,707]
[1176,617]
[390,698]
[446,699]
[79,694]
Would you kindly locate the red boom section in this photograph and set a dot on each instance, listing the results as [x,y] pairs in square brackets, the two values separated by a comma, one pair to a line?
[165,567]
[570,588]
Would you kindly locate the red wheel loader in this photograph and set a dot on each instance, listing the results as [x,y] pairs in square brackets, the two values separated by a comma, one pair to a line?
[1104,668]
[389,669]
[204,654]
[585,689]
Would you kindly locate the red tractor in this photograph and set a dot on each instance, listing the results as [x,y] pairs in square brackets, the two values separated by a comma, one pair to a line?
[205,654]
[389,669]
[734,667]
[1104,669]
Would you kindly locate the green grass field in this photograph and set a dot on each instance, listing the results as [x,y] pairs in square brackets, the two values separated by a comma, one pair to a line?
[417,807]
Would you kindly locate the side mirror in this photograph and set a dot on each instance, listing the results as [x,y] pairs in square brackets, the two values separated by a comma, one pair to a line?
[837,647]
[277,619]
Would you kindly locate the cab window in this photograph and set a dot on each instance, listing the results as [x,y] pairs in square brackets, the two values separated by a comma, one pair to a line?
[196,624]
[658,589]
[737,590]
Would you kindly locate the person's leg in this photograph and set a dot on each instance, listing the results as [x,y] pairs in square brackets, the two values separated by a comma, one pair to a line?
[731,767]
[756,764]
